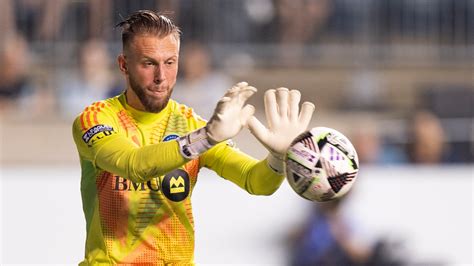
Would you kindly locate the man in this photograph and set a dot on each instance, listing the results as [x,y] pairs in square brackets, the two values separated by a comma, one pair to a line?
[141,151]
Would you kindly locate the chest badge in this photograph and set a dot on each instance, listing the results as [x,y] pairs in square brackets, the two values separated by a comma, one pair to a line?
[170,137]
[175,185]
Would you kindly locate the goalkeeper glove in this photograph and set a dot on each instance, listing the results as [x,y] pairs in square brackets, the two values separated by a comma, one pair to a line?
[285,123]
[230,116]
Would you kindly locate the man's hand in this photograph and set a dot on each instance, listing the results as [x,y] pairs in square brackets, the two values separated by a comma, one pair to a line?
[230,115]
[285,123]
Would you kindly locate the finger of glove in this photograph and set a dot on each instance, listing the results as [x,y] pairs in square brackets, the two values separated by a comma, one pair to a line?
[236,94]
[295,97]
[246,113]
[307,110]
[282,101]
[235,89]
[245,93]
[271,109]
[229,96]
[258,129]
[240,93]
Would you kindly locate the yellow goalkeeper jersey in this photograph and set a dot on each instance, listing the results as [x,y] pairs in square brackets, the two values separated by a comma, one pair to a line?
[136,187]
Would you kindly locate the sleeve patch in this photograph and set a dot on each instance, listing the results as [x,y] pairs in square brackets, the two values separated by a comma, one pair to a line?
[97,132]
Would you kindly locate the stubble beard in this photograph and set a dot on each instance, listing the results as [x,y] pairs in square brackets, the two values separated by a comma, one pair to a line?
[150,104]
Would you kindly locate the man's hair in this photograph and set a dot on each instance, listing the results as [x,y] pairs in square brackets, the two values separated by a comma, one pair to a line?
[146,22]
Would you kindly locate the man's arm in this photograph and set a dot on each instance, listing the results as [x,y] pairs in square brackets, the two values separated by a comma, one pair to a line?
[254,176]
[115,153]
[99,142]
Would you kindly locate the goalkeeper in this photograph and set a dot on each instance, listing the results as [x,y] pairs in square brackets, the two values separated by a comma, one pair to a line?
[140,152]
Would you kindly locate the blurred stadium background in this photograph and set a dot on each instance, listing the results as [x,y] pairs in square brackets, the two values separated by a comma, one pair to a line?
[395,76]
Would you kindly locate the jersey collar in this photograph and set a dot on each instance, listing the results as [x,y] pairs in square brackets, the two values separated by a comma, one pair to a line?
[144,117]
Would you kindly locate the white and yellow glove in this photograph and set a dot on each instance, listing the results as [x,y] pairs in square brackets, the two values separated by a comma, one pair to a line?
[230,116]
[285,123]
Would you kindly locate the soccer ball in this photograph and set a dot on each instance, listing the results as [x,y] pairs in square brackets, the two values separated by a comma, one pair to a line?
[321,164]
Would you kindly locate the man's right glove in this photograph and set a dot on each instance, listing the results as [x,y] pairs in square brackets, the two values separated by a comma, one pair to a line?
[229,117]
[285,123]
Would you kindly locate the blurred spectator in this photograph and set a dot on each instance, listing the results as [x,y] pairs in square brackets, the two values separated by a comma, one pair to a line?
[92,82]
[100,18]
[204,21]
[7,21]
[370,146]
[453,104]
[330,237]
[261,15]
[426,139]
[199,84]
[35,19]
[366,141]
[299,22]
[15,82]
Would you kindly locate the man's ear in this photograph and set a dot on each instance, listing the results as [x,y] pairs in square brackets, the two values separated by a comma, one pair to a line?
[122,63]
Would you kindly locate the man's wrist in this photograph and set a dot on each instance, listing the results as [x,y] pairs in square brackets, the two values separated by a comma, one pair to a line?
[210,139]
[276,164]
[194,144]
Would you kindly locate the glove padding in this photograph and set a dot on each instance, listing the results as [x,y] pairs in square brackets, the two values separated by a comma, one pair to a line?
[230,115]
[285,123]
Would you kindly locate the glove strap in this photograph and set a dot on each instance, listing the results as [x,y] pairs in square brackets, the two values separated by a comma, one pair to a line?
[276,164]
[194,144]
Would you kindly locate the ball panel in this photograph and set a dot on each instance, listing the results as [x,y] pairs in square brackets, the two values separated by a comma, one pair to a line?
[303,155]
[322,164]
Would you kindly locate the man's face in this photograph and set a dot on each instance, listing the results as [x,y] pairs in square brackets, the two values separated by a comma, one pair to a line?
[151,67]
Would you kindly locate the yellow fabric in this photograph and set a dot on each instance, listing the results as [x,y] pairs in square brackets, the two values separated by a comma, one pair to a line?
[136,187]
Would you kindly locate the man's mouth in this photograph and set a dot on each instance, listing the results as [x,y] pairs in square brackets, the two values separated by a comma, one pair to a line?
[157,91]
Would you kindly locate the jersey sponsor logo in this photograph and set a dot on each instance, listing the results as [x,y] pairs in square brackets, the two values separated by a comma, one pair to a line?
[122,184]
[97,132]
[175,185]
[170,137]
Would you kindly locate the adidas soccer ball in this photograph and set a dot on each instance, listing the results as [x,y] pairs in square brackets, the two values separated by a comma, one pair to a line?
[321,164]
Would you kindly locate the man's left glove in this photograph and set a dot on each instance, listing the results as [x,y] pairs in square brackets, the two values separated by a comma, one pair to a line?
[230,116]
[285,123]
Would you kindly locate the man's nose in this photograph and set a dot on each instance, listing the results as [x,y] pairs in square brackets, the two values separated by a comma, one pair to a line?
[159,74]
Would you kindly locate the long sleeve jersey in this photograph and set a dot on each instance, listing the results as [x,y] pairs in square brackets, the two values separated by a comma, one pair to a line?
[136,187]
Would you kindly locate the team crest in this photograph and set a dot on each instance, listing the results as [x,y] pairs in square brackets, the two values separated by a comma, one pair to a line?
[170,137]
